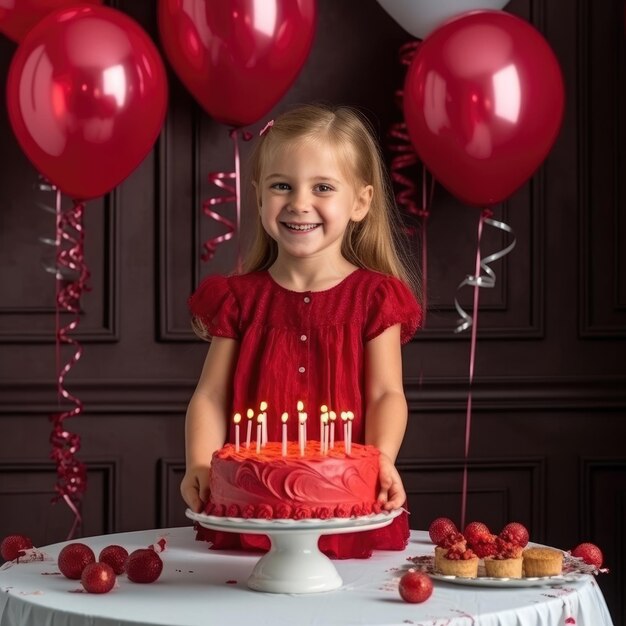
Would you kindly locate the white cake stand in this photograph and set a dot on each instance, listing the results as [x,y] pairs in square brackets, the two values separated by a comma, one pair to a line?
[294,563]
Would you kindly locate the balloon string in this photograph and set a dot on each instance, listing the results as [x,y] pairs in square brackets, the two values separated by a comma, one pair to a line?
[70,237]
[477,281]
[233,195]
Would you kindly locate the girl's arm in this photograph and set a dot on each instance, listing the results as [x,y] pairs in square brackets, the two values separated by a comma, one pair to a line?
[206,423]
[386,410]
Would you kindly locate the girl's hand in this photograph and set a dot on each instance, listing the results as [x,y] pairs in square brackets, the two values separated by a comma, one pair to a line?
[195,488]
[392,494]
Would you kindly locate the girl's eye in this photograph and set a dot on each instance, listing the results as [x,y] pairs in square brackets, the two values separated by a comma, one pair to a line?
[281,186]
[323,188]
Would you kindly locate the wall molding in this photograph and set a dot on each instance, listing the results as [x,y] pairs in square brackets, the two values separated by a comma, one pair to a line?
[171,397]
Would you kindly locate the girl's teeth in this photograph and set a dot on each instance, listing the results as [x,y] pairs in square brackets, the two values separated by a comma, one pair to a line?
[301,226]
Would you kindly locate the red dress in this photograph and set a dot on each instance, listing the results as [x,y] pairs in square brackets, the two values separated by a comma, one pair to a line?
[306,346]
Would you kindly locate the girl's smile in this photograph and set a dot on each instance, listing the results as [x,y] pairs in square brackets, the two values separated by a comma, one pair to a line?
[299,229]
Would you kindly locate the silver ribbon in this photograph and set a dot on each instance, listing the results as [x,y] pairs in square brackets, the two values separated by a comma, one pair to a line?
[486,280]
[60,272]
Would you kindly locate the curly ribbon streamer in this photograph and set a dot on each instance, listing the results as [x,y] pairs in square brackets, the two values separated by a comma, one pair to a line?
[405,157]
[70,236]
[477,280]
[219,179]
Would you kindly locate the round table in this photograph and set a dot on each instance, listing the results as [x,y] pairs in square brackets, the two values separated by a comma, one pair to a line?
[199,587]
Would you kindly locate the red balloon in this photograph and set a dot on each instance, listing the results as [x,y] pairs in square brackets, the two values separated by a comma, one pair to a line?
[483,104]
[17,17]
[87,94]
[237,57]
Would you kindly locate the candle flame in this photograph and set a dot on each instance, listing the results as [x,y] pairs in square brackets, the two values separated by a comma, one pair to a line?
[324,408]
[333,416]
[302,417]
[350,415]
[237,418]
[284,417]
[259,418]
[325,418]
[263,406]
[300,405]
[344,416]
[250,413]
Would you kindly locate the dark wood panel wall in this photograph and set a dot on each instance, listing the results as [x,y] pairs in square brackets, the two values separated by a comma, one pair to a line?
[549,418]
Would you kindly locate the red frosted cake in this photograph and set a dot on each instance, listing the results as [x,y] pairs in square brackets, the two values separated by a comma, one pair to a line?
[269,485]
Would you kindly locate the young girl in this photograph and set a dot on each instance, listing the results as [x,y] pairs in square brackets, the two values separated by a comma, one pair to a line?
[319,314]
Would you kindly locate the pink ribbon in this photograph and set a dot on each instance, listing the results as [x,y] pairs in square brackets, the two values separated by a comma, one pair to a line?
[220,180]
[70,260]
[406,196]
[477,280]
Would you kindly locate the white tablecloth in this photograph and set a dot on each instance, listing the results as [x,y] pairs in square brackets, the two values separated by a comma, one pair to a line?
[200,587]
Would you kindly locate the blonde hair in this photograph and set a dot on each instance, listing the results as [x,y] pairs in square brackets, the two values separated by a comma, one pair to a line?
[378,242]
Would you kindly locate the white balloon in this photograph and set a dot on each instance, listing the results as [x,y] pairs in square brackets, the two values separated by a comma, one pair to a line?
[421,17]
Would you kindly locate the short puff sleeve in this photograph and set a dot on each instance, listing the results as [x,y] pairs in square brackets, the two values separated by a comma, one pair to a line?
[216,308]
[391,303]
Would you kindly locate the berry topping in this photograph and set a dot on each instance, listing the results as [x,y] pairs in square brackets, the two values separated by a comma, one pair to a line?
[486,546]
[454,539]
[457,553]
[515,533]
[507,549]
[440,528]
[475,532]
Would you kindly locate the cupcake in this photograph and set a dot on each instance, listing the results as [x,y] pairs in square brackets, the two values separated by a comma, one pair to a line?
[542,562]
[506,562]
[449,541]
[459,562]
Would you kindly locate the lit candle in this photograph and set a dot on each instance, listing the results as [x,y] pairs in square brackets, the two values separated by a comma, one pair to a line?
[325,433]
[284,418]
[333,417]
[250,415]
[350,415]
[237,419]
[323,412]
[302,427]
[304,418]
[259,427]
[263,409]
[344,419]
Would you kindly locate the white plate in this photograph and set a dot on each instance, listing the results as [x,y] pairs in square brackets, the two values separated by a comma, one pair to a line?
[485,581]
[574,571]
[261,526]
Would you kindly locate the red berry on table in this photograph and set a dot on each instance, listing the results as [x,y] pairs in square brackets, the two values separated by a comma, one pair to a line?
[475,531]
[440,528]
[515,533]
[98,578]
[13,546]
[144,566]
[415,587]
[589,553]
[74,558]
[115,556]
